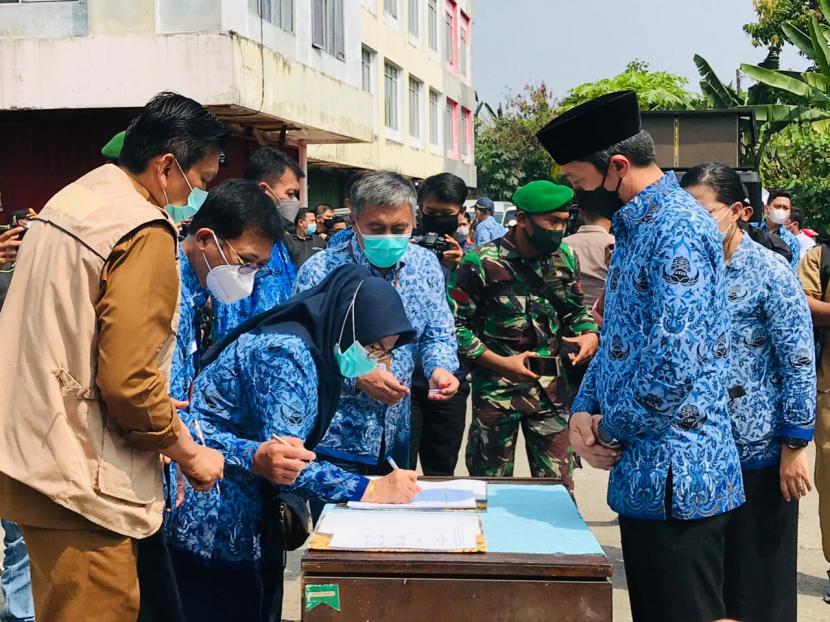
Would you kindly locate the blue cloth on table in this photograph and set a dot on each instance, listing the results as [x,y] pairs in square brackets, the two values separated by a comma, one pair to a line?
[536,519]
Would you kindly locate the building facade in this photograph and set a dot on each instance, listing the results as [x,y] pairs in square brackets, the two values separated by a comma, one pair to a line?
[289,73]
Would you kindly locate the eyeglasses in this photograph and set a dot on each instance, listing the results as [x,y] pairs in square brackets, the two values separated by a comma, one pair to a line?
[245,267]
[378,353]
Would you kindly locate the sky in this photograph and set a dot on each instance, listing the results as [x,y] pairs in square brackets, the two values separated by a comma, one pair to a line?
[568,42]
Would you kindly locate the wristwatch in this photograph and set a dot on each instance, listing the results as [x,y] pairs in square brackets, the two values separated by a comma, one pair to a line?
[606,439]
[794,443]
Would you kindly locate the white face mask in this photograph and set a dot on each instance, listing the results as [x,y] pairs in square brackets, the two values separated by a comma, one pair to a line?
[228,283]
[463,231]
[778,216]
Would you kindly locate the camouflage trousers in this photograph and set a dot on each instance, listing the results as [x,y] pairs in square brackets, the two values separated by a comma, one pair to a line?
[491,443]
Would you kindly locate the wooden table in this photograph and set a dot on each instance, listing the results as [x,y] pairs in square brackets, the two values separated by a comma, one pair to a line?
[507,584]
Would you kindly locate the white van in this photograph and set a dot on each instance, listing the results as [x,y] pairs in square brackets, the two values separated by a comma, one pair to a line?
[504,210]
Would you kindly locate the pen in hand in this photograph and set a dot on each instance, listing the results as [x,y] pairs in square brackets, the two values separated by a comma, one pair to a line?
[279,439]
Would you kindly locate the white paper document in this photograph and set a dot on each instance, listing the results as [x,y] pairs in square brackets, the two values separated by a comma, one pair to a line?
[459,494]
[401,531]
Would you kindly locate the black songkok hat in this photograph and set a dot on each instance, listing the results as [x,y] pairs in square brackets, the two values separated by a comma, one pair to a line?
[591,127]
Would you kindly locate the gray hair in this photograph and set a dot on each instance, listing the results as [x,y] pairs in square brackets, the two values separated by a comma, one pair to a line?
[383,188]
[639,149]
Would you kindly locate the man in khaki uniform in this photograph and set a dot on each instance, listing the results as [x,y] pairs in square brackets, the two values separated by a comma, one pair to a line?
[89,327]
[591,245]
[809,271]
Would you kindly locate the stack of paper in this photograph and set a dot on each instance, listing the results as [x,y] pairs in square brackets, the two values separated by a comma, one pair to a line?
[404,531]
[459,494]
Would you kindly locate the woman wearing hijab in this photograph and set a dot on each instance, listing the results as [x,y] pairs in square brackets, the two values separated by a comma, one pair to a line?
[772,406]
[278,378]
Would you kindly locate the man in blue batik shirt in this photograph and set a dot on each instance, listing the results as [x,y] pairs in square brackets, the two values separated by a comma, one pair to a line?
[278,176]
[653,404]
[236,226]
[487,227]
[372,420]
[776,215]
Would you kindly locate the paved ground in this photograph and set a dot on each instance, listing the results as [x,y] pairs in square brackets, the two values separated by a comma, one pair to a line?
[590,490]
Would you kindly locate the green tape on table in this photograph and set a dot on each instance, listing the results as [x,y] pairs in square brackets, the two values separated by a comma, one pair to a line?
[324,594]
[535,519]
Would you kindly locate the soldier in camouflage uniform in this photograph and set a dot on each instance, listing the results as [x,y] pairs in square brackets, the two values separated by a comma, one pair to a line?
[503,296]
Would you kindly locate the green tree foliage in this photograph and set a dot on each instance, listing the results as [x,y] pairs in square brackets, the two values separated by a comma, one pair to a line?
[507,152]
[656,90]
[768,31]
[798,159]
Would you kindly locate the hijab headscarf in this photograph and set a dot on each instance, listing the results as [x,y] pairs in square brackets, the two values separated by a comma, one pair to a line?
[318,316]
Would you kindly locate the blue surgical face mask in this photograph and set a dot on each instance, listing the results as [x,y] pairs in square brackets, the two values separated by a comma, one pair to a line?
[355,361]
[384,251]
[311,229]
[195,200]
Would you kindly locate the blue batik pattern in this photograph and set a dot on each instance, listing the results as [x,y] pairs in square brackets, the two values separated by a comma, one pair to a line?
[272,287]
[191,303]
[789,239]
[262,384]
[660,375]
[771,354]
[361,423]
[488,230]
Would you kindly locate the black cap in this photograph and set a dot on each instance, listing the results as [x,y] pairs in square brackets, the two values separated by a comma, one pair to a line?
[591,127]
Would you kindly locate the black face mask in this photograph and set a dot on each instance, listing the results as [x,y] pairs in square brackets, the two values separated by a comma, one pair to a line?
[543,240]
[328,223]
[442,224]
[600,201]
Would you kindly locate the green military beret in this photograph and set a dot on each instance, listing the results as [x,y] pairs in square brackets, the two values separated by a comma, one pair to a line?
[112,150]
[541,197]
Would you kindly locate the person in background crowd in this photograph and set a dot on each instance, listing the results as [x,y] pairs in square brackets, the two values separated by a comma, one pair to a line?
[814,274]
[338,224]
[590,245]
[372,419]
[776,215]
[110,337]
[324,217]
[304,242]
[653,404]
[279,376]
[796,227]
[462,234]
[278,176]
[772,406]
[16,580]
[515,299]
[487,227]
[437,427]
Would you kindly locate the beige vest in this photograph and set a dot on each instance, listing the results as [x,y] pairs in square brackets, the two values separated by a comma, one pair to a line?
[54,434]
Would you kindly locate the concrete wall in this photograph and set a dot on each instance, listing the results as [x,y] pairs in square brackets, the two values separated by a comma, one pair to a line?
[44,19]
[216,69]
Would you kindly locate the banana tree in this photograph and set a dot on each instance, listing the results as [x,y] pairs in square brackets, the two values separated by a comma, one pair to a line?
[808,92]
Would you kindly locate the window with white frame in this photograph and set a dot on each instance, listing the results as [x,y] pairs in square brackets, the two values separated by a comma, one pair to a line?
[450,129]
[463,33]
[391,99]
[434,118]
[415,18]
[278,12]
[327,29]
[416,87]
[432,24]
[367,58]
[449,47]
[464,133]
[391,8]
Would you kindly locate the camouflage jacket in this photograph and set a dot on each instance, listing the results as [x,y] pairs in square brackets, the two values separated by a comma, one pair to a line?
[495,308]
